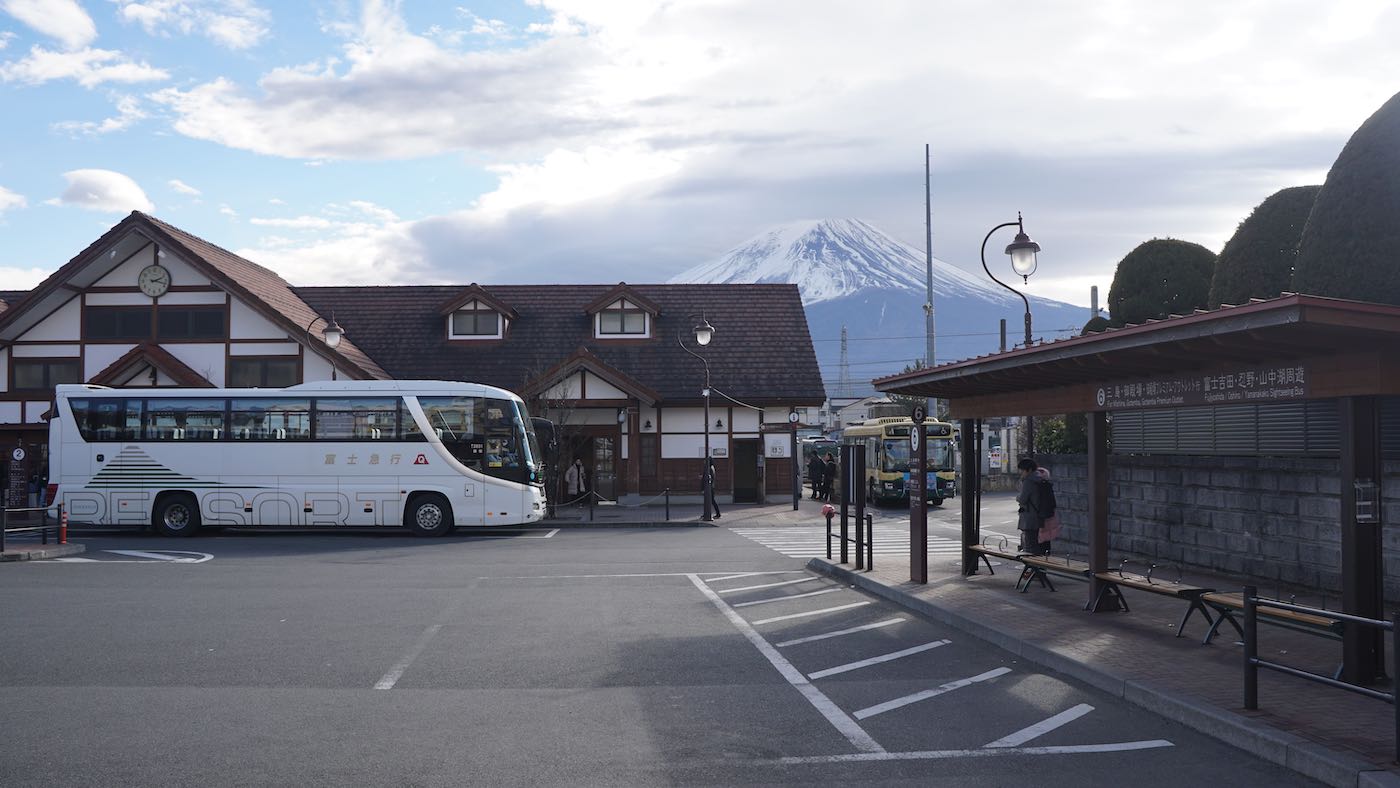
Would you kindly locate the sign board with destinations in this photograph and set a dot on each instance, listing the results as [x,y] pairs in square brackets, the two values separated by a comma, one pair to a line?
[1248,385]
[17,489]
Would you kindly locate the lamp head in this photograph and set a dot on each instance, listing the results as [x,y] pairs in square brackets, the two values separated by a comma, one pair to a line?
[704,332]
[332,332]
[1023,251]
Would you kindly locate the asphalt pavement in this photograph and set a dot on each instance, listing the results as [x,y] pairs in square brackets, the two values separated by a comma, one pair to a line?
[606,656]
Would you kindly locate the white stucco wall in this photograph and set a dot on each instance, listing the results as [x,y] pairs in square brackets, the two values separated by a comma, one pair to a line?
[65,323]
[597,388]
[683,420]
[206,359]
[47,351]
[98,357]
[125,274]
[244,323]
[263,349]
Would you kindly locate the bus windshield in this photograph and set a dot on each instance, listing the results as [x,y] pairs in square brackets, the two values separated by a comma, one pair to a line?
[487,434]
[896,455]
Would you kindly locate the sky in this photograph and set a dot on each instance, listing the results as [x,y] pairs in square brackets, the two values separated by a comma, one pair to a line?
[383,142]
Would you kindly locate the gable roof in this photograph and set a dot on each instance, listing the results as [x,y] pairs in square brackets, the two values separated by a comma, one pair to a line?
[260,288]
[156,356]
[583,359]
[761,352]
[622,290]
[475,292]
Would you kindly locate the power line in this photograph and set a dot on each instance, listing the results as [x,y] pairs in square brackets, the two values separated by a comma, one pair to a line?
[972,334]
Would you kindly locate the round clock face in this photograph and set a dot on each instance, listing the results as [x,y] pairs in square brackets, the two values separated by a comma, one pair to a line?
[154,280]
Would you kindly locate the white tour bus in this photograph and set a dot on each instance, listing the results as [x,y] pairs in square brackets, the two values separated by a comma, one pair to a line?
[427,455]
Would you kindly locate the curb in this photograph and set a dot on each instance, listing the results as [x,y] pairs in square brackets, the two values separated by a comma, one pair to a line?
[1291,751]
[41,552]
[633,524]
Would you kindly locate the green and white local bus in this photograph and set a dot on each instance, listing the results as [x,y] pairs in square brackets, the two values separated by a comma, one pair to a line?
[426,455]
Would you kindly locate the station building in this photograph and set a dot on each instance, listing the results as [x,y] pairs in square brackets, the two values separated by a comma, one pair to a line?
[148,304]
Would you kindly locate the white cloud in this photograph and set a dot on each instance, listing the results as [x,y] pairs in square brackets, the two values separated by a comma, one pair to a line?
[181,187]
[22,278]
[88,67]
[370,246]
[235,24]
[102,190]
[10,200]
[5,38]
[566,177]
[228,211]
[296,223]
[129,112]
[63,20]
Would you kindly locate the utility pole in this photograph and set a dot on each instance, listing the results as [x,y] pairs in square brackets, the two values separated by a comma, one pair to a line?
[844,387]
[930,404]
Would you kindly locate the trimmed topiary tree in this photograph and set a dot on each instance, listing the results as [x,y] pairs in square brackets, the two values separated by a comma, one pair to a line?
[1096,324]
[1351,245]
[1160,277]
[1257,262]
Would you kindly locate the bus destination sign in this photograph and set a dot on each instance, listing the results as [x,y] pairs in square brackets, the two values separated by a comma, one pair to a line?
[1253,384]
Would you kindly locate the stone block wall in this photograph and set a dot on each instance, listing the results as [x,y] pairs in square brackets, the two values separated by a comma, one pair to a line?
[1273,521]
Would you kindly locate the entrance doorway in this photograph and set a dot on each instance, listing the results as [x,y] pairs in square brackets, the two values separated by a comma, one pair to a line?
[747,476]
[599,455]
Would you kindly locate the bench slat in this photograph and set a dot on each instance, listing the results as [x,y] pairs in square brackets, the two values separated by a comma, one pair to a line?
[1235,601]
[1141,583]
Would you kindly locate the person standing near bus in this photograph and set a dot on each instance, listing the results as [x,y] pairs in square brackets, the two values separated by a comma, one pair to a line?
[816,472]
[828,476]
[576,481]
[1032,502]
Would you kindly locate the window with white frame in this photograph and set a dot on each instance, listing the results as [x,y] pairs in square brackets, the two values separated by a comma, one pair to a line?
[622,318]
[475,320]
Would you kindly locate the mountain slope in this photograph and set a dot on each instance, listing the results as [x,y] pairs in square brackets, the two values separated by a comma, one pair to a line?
[851,274]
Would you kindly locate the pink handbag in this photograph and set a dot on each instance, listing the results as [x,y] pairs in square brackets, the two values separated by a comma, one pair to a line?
[1049,529]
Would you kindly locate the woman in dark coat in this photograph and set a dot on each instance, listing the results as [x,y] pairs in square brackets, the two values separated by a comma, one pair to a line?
[816,472]
[1028,507]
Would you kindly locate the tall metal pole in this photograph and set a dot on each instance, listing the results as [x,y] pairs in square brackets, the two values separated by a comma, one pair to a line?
[706,473]
[1030,423]
[932,403]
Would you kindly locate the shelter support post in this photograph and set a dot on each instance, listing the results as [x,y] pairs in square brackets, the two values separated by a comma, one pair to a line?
[1098,512]
[918,506]
[1363,648]
[970,446]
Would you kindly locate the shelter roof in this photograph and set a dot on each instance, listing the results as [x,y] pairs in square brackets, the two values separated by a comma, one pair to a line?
[1281,329]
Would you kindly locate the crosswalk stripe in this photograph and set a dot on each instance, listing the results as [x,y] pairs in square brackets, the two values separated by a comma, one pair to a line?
[811,543]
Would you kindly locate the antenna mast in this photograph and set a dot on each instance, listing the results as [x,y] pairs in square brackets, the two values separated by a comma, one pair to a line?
[845,384]
[930,405]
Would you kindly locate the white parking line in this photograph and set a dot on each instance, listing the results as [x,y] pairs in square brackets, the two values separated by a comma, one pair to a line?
[174,556]
[396,672]
[840,632]
[1041,728]
[865,663]
[933,755]
[790,596]
[823,611]
[848,727]
[768,585]
[898,703]
[750,574]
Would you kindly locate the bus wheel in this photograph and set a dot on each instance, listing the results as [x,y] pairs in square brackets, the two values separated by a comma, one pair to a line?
[936,501]
[176,515]
[428,515]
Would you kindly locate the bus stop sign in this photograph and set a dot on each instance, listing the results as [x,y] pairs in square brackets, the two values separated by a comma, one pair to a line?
[914,437]
[919,414]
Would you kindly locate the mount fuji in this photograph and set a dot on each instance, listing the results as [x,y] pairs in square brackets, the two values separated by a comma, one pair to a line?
[853,275]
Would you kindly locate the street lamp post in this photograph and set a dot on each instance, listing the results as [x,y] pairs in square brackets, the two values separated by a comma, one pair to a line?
[1022,251]
[332,333]
[703,334]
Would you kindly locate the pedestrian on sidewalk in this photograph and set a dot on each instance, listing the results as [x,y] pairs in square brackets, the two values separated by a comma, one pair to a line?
[1034,504]
[707,491]
[816,471]
[828,477]
[576,481]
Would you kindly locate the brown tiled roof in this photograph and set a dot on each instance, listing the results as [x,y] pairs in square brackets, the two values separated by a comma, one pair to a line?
[622,290]
[259,285]
[761,353]
[475,292]
[156,356]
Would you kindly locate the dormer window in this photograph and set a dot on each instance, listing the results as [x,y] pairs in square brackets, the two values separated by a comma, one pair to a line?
[475,320]
[623,318]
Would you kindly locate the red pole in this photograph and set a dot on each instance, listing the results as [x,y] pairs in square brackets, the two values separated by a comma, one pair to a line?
[62,525]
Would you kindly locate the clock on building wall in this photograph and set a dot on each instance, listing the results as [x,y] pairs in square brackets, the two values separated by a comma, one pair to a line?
[154,280]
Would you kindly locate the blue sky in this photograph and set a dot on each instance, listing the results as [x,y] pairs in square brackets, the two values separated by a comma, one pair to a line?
[581,141]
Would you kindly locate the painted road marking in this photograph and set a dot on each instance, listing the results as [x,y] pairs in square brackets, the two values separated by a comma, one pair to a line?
[848,727]
[933,755]
[546,536]
[768,585]
[865,663]
[145,557]
[898,703]
[77,560]
[840,632]
[396,672]
[791,596]
[807,543]
[751,574]
[1041,728]
[821,612]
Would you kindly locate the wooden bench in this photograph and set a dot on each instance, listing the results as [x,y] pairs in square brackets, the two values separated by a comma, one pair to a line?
[1040,567]
[1226,605]
[1002,550]
[1115,580]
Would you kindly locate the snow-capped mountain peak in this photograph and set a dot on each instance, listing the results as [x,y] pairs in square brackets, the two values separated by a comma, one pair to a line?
[831,258]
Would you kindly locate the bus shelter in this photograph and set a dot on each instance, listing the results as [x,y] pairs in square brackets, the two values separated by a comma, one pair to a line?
[1286,349]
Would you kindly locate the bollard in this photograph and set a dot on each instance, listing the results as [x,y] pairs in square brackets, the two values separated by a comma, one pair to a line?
[828,511]
[870,543]
[43,526]
[668,504]
[591,498]
[4,523]
[62,525]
